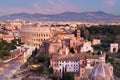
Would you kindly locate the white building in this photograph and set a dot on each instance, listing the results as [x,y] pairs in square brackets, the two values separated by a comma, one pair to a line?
[68,66]
[79,64]
[65,63]
[28,52]
[86,47]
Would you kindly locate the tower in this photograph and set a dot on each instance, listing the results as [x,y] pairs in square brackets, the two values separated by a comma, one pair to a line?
[78,33]
[67,51]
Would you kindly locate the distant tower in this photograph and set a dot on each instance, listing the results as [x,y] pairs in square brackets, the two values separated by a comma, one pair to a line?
[78,33]
[67,51]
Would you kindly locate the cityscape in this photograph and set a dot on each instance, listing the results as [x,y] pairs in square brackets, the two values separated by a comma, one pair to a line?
[60,40]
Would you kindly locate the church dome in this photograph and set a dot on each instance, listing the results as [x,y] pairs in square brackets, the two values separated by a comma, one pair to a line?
[102,71]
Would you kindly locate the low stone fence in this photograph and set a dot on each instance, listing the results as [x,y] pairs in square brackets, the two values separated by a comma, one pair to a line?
[13,55]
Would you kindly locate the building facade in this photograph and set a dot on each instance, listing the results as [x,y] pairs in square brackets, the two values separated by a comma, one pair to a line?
[87,46]
[33,35]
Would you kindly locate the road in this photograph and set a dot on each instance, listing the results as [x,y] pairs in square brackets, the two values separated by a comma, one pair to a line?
[8,69]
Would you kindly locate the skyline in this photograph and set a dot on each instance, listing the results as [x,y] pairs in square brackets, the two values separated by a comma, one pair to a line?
[58,6]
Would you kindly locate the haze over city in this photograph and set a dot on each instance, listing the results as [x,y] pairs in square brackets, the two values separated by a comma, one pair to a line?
[58,6]
[59,40]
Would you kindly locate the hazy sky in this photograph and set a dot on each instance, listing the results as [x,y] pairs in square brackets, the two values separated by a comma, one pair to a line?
[58,6]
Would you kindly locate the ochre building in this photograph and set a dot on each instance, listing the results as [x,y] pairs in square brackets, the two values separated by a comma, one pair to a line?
[33,35]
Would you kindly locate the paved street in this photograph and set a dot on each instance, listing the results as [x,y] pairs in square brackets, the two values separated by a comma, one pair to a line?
[7,70]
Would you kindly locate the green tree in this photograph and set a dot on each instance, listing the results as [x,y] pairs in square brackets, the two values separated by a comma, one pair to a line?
[97,47]
[119,51]
[51,70]
[1,55]
[34,52]
[14,41]
[68,76]
[40,69]
[55,78]
[4,53]
[43,58]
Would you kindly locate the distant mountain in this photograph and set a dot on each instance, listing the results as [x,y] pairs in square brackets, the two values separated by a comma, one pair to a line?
[66,16]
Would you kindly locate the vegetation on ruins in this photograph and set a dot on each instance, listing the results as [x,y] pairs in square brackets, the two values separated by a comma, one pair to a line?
[5,47]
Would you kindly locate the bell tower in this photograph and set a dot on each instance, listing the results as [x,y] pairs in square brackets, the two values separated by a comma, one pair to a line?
[78,33]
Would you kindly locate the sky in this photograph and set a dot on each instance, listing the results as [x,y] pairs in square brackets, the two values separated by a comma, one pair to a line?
[58,6]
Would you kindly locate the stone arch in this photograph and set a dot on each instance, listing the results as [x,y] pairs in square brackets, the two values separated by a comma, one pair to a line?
[114,49]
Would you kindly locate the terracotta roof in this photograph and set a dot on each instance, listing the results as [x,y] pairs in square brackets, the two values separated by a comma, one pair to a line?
[74,57]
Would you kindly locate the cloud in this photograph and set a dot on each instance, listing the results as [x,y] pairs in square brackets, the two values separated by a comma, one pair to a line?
[50,1]
[41,9]
[51,7]
[110,2]
[54,7]
[37,7]
[5,11]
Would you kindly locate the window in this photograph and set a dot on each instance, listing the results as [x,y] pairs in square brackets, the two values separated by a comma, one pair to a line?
[41,34]
[82,70]
[60,70]
[83,62]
